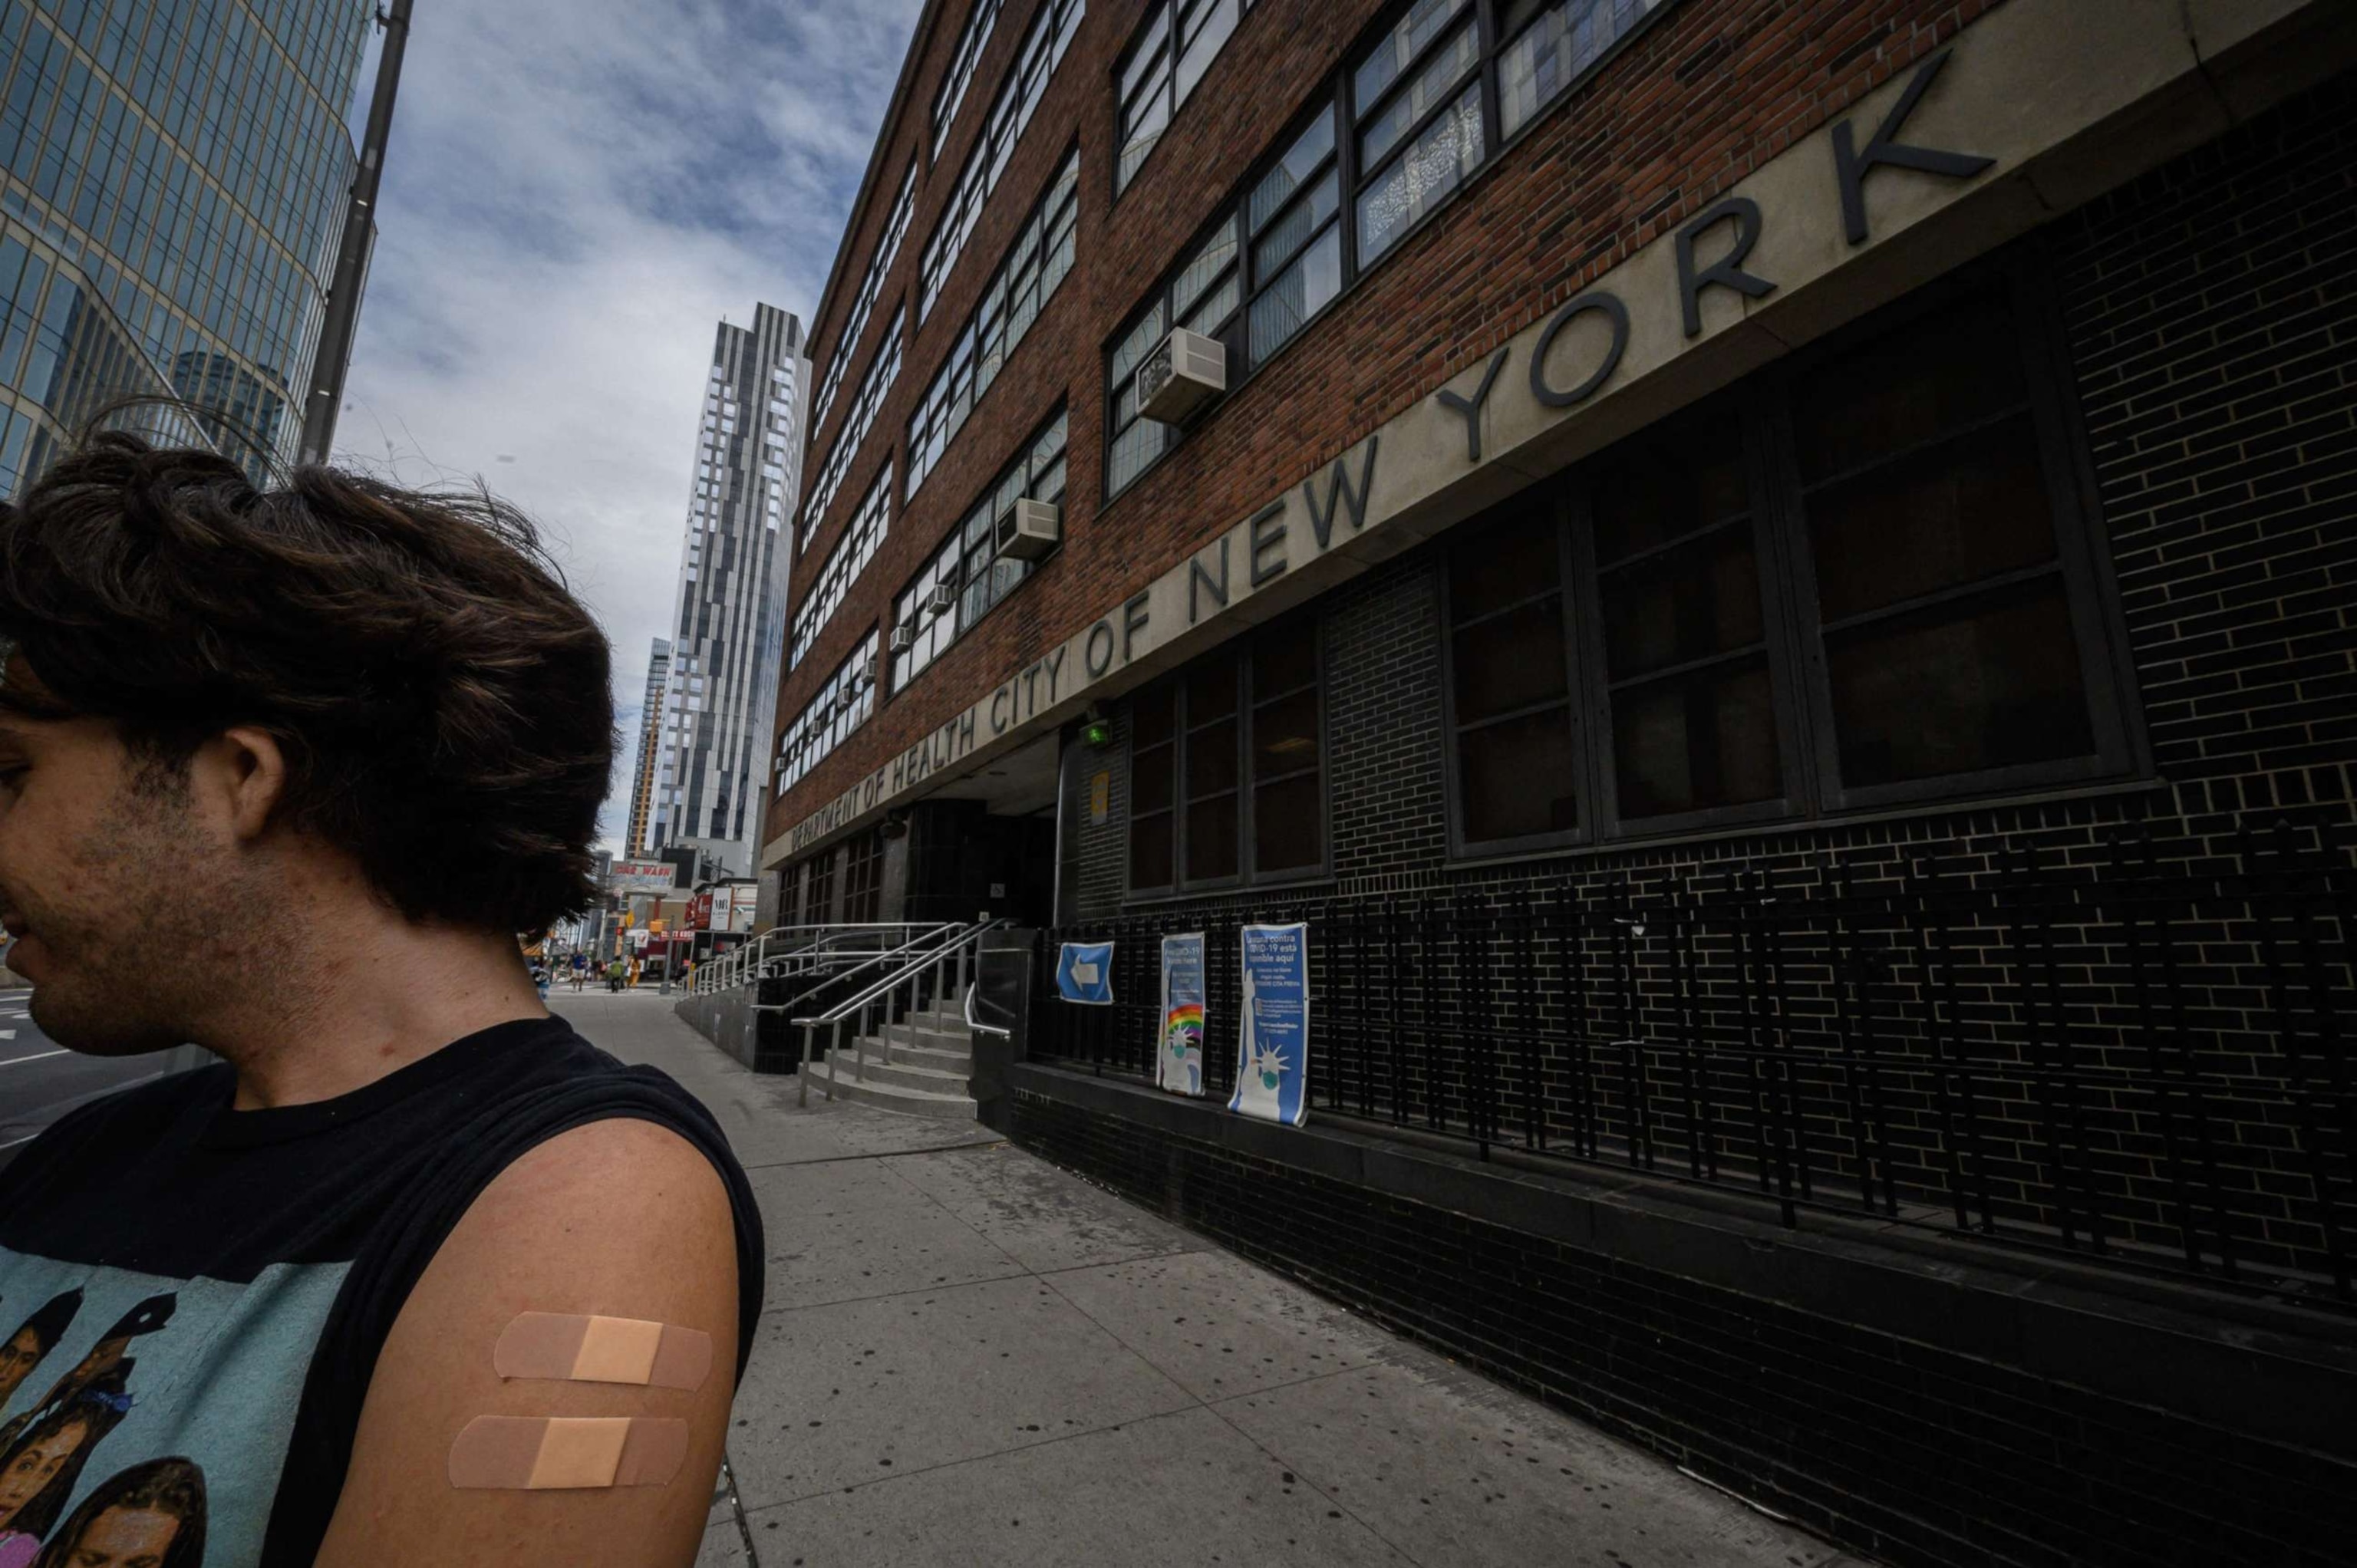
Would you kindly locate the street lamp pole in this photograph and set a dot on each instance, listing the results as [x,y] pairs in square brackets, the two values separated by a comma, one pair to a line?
[351,276]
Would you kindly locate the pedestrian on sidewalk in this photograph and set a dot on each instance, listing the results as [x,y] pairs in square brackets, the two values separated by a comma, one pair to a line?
[355,1266]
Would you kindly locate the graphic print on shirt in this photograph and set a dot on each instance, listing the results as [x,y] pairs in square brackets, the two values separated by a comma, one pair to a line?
[144,1419]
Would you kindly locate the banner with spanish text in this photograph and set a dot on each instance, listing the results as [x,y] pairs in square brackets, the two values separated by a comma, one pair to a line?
[1273,1034]
[1180,1056]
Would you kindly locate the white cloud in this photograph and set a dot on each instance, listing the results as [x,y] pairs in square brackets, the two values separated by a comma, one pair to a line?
[575,195]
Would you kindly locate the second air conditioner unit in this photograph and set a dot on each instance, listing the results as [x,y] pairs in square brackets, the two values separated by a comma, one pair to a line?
[1185,371]
[942,600]
[1030,531]
[904,637]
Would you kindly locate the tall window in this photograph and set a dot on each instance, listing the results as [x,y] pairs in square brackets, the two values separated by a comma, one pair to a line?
[1205,296]
[871,285]
[862,878]
[818,908]
[1416,100]
[1426,99]
[1863,581]
[966,579]
[1226,767]
[960,76]
[855,426]
[1292,216]
[1513,715]
[1035,58]
[1162,67]
[1550,44]
[1035,263]
[842,705]
[844,564]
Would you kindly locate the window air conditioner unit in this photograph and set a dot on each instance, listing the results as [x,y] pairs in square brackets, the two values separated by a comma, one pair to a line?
[1185,371]
[904,637]
[865,676]
[942,600]
[1030,531]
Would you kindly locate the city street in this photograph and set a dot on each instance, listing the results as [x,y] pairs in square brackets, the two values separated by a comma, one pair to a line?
[40,1080]
[971,1357]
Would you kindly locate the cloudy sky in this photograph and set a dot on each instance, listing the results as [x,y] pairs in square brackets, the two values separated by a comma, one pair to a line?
[577,191]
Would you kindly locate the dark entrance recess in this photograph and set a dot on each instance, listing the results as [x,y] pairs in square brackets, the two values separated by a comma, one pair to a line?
[963,860]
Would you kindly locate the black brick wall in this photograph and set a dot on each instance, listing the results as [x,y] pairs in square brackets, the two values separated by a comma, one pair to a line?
[2210,313]
[2212,310]
[1907,1447]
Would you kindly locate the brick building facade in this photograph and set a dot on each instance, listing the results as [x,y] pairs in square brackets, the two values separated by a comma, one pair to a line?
[1773,582]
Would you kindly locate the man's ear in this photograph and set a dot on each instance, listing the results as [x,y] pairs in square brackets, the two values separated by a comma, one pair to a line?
[243,770]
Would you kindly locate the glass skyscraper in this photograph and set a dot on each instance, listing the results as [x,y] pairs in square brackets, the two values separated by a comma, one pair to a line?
[172,176]
[651,732]
[719,705]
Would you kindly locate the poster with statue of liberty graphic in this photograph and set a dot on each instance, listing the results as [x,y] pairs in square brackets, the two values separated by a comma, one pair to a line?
[1178,1058]
[1273,1035]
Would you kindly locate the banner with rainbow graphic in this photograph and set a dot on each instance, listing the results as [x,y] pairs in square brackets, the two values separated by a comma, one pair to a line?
[1178,1054]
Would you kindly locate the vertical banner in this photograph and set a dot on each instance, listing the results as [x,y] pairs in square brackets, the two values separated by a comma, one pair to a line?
[1179,1060]
[1084,973]
[1272,1036]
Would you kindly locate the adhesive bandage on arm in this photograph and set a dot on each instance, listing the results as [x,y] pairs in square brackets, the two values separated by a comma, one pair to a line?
[582,1349]
[554,1452]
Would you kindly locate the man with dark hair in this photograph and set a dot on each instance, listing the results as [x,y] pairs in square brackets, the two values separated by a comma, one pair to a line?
[285,773]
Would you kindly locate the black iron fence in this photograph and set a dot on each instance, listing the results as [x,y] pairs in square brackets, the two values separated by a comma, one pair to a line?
[2119,1048]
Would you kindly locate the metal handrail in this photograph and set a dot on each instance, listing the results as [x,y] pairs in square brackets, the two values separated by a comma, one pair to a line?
[748,964]
[976,1025]
[929,934]
[909,974]
[751,963]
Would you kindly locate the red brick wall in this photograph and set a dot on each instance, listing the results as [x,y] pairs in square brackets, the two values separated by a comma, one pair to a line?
[1714,89]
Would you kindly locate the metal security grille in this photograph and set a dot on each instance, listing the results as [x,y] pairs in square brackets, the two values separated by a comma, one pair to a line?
[2128,1050]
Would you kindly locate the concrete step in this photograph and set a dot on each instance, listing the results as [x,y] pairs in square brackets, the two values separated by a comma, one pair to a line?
[843,1080]
[880,1068]
[915,1031]
[958,1061]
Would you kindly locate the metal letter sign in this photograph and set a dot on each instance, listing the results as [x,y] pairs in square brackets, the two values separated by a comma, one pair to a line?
[1273,1038]
[1178,1058]
[1084,973]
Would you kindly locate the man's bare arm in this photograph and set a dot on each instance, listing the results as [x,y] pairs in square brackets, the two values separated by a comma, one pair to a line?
[618,1219]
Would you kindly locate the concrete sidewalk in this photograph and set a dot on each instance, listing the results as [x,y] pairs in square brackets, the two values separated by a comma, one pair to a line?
[970,1357]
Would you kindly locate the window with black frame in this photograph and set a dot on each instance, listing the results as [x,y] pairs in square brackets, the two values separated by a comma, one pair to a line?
[1037,262]
[1431,93]
[1415,104]
[1673,544]
[1292,217]
[951,95]
[819,909]
[966,577]
[1203,297]
[1226,768]
[1865,581]
[862,878]
[1162,67]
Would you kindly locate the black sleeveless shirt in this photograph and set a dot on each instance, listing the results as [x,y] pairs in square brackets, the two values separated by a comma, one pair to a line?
[204,1292]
